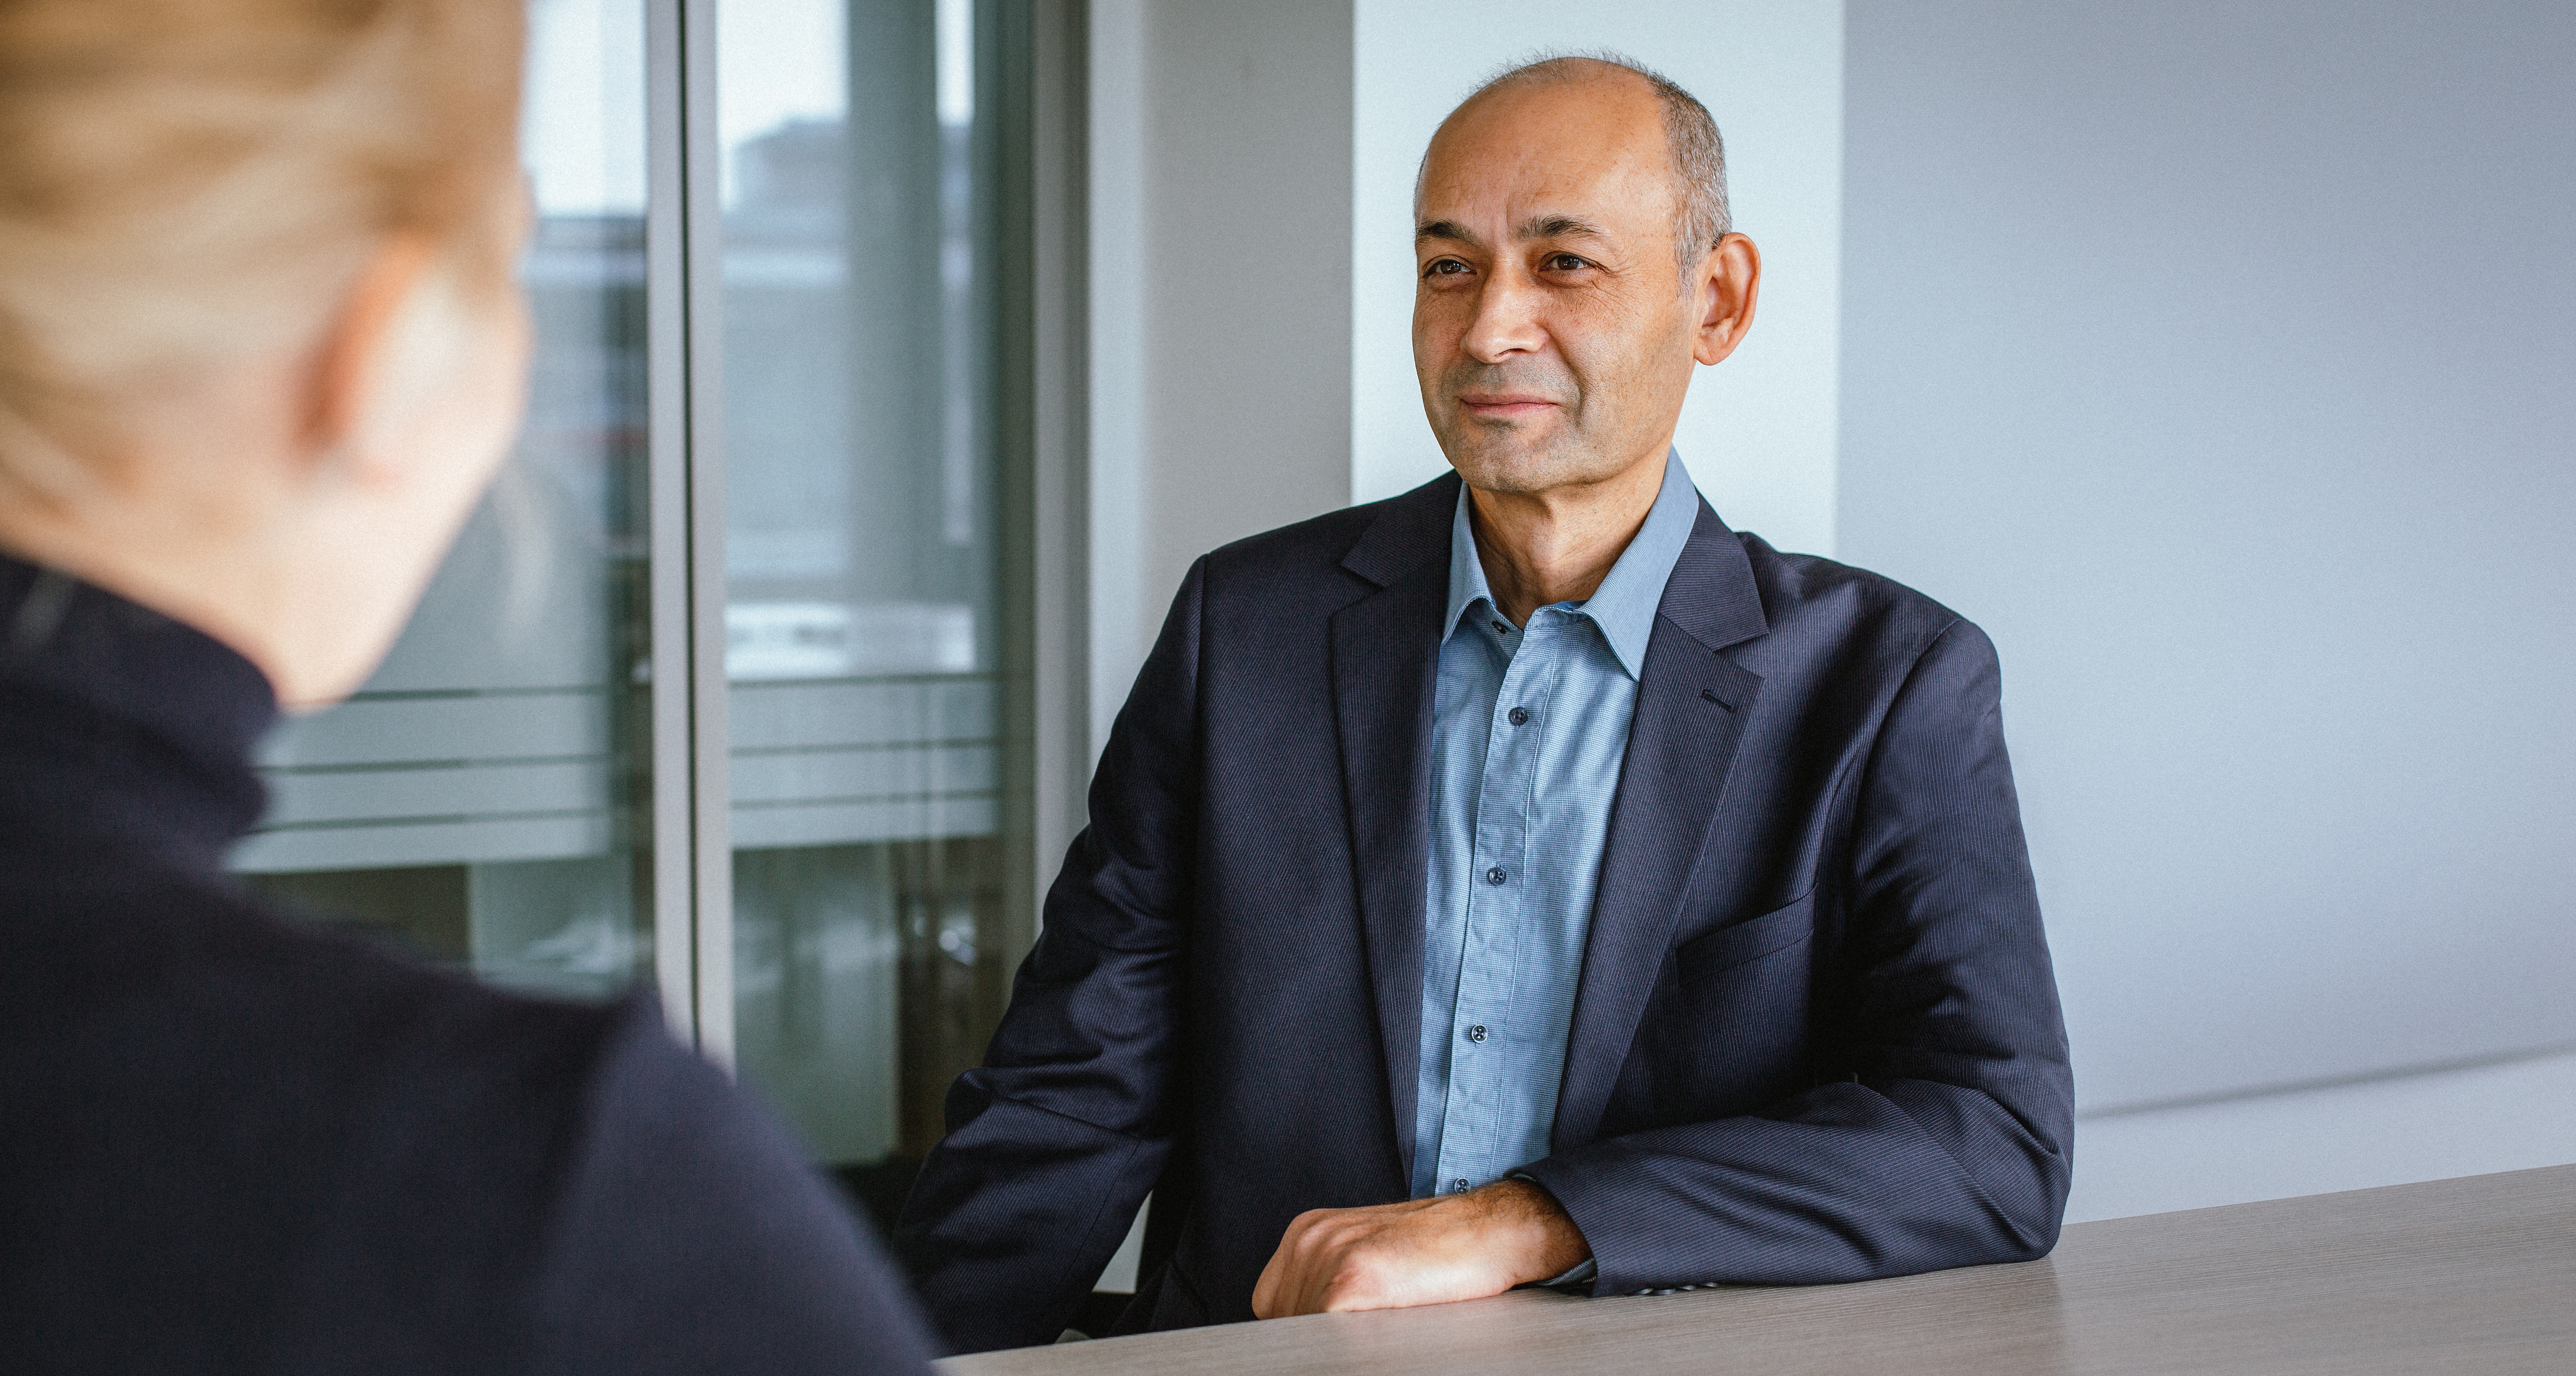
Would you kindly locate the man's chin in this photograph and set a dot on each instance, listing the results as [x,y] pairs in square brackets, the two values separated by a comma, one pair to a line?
[1489,467]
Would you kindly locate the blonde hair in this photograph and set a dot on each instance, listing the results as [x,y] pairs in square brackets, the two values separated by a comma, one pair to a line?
[186,180]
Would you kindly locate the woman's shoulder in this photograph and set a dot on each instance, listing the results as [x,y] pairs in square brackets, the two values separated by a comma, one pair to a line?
[179,975]
[273,1118]
[310,1142]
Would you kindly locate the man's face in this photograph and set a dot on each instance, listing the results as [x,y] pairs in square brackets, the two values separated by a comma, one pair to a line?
[1551,330]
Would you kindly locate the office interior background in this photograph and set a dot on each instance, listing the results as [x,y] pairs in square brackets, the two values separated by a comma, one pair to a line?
[897,356]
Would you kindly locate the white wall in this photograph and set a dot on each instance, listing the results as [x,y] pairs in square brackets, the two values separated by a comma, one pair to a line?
[1220,146]
[2217,359]
[1758,431]
[2511,1115]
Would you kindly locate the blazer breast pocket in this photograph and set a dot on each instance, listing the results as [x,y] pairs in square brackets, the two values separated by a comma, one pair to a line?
[1741,943]
[1732,1034]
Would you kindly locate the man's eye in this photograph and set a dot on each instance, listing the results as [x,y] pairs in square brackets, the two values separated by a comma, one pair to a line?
[1444,267]
[1565,262]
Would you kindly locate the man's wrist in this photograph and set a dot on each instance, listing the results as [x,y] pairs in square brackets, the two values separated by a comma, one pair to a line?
[1544,1244]
[1582,1273]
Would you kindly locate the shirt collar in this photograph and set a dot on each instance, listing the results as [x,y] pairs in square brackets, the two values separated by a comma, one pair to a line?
[1624,605]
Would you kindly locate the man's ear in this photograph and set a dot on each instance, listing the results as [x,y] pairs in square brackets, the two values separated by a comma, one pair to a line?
[1730,280]
[349,364]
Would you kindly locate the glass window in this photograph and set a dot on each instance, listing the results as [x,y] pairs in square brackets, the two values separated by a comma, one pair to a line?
[480,799]
[865,611]
[487,798]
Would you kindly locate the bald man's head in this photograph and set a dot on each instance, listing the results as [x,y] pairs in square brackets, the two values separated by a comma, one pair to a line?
[1692,147]
[1573,266]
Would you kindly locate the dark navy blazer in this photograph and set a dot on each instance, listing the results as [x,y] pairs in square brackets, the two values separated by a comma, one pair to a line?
[1816,1036]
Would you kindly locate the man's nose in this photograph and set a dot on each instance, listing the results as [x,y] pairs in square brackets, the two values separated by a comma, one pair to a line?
[1507,320]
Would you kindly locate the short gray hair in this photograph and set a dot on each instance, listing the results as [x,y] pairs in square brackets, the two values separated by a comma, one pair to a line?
[1690,139]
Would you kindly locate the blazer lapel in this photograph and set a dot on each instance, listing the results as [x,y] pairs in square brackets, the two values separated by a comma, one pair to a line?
[1692,704]
[1385,651]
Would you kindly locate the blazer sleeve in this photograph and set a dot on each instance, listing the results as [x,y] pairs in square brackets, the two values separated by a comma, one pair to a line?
[1054,1141]
[1949,1145]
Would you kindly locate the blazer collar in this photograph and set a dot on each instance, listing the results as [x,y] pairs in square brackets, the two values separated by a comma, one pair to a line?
[1710,593]
[1409,530]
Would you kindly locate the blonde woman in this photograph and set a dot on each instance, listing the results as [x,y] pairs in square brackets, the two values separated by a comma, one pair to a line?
[259,352]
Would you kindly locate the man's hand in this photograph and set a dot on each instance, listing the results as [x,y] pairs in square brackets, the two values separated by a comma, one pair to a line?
[1422,1251]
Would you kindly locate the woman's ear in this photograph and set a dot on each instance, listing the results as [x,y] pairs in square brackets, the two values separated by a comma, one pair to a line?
[350,363]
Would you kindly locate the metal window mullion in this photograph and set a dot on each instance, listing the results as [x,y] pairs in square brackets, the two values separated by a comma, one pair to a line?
[692,835]
[709,737]
[667,519]
[1060,554]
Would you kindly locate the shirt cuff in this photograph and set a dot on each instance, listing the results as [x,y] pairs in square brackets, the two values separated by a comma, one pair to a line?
[1582,1273]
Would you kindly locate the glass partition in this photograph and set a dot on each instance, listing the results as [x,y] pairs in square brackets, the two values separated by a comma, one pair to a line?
[480,800]
[863,554]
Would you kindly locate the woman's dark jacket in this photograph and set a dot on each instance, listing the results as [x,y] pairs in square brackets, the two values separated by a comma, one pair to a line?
[230,1142]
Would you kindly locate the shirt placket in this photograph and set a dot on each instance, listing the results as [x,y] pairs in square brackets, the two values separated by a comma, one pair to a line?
[1498,906]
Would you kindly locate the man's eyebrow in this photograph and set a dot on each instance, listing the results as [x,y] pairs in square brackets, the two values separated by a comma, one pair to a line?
[1560,227]
[1450,230]
[1536,227]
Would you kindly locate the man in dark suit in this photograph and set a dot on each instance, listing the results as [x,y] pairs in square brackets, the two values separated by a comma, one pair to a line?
[1526,879]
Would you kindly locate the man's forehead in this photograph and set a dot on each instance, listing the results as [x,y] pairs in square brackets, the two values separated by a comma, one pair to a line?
[1592,150]
[1539,197]
[1609,115]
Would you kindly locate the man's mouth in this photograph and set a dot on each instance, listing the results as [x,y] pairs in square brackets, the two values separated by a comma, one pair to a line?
[1503,405]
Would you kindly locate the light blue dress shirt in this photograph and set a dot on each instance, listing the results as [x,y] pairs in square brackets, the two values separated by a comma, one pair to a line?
[1529,725]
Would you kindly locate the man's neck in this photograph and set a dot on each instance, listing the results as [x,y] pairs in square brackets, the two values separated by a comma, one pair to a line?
[1541,548]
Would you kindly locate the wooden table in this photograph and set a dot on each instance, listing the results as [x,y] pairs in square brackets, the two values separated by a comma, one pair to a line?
[2471,1275]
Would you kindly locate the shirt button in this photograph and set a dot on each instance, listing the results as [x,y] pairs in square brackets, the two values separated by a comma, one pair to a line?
[1458,1185]
[1501,629]
[1520,716]
[1476,1033]
[1495,875]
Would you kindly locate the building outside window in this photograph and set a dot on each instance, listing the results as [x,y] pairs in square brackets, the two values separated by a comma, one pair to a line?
[864,612]
[491,799]
[481,799]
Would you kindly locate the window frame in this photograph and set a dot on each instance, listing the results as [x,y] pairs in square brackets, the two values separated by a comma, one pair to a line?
[1044,381]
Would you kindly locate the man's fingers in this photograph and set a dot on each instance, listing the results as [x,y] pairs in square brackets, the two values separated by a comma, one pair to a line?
[1297,1279]
[1276,1275]
[1281,1291]
[1264,1288]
